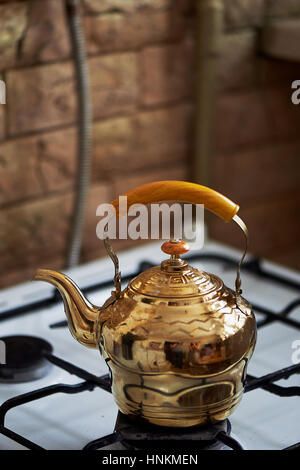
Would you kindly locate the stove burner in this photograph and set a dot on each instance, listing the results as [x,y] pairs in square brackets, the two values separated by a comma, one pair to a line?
[149,438]
[25,360]
[136,435]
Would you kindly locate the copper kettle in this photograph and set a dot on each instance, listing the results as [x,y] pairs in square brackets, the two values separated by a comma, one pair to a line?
[177,341]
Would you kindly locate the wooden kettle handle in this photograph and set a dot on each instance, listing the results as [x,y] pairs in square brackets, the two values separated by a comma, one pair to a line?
[184,192]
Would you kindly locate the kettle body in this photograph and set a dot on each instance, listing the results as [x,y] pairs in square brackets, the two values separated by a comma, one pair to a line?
[179,358]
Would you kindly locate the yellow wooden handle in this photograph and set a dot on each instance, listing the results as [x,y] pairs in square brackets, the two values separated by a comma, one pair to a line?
[184,192]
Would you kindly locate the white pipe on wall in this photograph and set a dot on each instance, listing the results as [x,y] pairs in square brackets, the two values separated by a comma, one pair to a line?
[209,31]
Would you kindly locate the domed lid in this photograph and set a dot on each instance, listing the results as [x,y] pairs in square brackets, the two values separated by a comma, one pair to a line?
[174,278]
[186,282]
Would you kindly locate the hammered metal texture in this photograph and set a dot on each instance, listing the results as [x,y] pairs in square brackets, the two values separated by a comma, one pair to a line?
[177,346]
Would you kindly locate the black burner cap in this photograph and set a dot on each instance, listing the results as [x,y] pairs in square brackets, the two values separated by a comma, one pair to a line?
[138,435]
[24,359]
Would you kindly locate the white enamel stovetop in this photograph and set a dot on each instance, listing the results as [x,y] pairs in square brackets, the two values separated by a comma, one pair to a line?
[262,421]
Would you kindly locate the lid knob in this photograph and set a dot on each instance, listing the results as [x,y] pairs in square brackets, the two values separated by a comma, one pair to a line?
[175,247]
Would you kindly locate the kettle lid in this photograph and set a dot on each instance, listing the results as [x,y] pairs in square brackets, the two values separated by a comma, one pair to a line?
[174,278]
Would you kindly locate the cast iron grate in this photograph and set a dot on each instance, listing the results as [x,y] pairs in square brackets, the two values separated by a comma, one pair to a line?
[90,381]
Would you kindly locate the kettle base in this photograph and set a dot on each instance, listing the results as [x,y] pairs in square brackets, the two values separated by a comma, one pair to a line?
[185,418]
[187,407]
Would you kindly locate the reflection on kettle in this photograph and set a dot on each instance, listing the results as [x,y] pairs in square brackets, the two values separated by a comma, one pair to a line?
[176,339]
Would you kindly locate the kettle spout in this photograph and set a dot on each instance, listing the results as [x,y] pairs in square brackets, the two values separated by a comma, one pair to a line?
[81,314]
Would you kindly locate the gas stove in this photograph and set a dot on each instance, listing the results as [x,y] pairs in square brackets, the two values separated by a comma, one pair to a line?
[55,394]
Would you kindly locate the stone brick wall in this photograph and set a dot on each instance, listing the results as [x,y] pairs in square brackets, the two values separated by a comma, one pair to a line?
[141,66]
[257,134]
